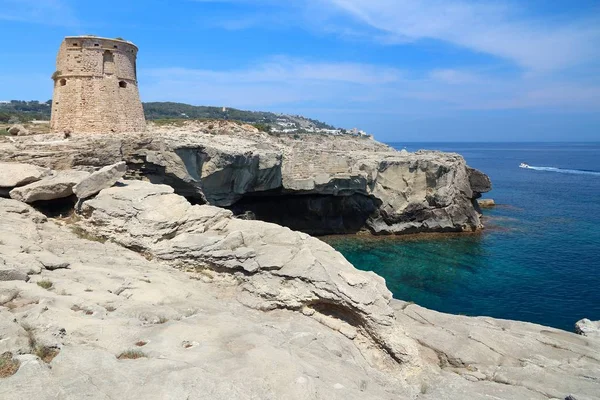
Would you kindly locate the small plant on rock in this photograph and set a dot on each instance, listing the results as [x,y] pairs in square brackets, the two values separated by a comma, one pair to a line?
[45,353]
[8,365]
[131,355]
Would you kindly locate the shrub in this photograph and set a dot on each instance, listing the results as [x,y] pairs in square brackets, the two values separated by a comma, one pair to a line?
[262,127]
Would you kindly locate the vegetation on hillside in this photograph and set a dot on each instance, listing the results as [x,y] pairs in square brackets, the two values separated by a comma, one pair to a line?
[17,111]
[168,110]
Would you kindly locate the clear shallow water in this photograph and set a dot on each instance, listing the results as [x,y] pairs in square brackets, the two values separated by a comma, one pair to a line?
[539,259]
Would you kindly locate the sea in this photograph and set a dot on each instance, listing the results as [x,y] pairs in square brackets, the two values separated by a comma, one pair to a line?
[538,260]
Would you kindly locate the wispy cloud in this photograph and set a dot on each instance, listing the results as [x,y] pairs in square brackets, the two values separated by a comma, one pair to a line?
[294,83]
[48,12]
[497,28]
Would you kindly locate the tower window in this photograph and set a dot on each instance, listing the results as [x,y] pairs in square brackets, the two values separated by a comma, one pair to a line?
[75,45]
[115,46]
[63,82]
[122,84]
[96,45]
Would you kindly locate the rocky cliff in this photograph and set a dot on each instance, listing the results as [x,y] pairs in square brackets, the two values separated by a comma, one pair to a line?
[314,183]
[145,295]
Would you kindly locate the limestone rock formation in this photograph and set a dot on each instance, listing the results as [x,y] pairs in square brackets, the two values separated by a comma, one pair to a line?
[222,308]
[319,184]
[57,186]
[480,182]
[278,268]
[101,179]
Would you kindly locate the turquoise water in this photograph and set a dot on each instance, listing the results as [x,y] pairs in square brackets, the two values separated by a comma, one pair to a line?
[537,261]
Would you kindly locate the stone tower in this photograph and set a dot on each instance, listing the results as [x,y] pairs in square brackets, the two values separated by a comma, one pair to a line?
[95,87]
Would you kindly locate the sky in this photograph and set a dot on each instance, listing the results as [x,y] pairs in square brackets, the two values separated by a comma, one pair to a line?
[404,70]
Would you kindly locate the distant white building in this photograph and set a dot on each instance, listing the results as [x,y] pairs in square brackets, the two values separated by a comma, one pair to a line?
[4,102]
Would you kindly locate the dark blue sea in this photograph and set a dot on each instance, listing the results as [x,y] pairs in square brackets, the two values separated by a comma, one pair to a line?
[537,261]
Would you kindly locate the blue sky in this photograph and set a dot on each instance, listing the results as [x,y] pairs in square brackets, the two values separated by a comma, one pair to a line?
[405,70]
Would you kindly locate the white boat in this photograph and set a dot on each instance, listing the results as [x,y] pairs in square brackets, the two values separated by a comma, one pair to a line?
[524,165]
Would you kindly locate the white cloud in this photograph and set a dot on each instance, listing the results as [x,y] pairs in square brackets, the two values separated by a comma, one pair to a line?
[296,84]
[274,83]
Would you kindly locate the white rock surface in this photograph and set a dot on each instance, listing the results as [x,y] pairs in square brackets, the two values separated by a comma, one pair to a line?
[101,179]
[278,268]
[57,186]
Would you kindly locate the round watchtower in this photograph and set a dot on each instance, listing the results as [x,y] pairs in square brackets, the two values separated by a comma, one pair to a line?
[95,87]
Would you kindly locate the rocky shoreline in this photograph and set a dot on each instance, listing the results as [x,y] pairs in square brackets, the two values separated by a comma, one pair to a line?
[317,184]
[143,294]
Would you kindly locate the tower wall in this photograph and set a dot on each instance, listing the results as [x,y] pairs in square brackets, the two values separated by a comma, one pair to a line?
[95,87]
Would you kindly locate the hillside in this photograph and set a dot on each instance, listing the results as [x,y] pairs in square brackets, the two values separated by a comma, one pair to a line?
[24,111]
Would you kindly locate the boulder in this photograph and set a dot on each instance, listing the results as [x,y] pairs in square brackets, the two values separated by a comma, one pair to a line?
[486,203]
[18,130]
[101,179]
[17,174]
[12,274]
[58,186]
[588,328]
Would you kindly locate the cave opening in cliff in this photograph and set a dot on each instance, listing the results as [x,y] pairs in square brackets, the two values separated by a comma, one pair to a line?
[312,214]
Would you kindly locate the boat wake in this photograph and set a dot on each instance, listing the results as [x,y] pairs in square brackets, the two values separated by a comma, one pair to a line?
[564,170]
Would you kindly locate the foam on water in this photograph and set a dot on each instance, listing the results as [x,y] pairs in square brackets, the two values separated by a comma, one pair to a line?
[564,170]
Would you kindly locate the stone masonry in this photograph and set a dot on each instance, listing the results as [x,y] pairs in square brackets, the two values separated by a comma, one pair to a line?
[95,87]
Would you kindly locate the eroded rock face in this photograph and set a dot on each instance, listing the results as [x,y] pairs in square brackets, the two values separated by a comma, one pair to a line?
[480,182]
[279,268]
[333,184]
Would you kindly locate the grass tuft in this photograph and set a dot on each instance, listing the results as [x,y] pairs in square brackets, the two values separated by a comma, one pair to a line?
[45,284]
[83,234]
